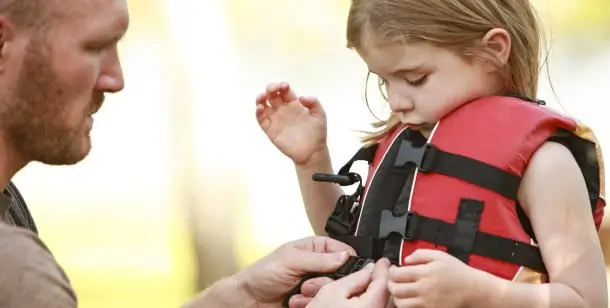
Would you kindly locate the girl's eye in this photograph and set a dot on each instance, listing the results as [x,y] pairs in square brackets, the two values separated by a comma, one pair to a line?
[417,82]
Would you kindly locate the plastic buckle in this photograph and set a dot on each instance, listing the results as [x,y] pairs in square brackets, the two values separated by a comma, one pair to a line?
[393,224]
[342,220]
[336,226]
[353,264]
[422,157]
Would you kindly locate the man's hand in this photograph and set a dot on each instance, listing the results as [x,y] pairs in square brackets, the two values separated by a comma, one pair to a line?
[270,279]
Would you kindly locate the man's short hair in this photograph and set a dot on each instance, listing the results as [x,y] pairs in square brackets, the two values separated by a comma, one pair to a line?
[26,13]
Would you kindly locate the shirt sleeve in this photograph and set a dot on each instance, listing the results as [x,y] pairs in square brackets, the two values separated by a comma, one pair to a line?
[29,274]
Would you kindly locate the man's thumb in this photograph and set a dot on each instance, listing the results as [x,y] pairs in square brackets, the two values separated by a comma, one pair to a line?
[315,262]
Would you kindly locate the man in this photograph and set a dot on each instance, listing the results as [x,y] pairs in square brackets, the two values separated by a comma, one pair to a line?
[57,60]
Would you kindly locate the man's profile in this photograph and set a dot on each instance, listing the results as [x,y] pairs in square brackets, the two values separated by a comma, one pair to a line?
[57,60]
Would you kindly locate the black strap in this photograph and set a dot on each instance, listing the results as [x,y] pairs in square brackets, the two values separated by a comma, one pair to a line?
[466,228]
[527,99]
[484,244]
[365,153]
[429,158]
[459,238]
[392,248]
[387,184]
[344,218]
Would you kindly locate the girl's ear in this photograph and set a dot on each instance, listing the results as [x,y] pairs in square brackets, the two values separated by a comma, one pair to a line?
[497,43]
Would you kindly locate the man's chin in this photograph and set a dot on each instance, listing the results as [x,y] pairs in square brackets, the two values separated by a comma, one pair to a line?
[66,158]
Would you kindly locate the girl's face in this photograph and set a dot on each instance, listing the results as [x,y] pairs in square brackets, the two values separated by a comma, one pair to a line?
[424,83]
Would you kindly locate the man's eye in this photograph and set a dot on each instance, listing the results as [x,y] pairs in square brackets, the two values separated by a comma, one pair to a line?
[96,46]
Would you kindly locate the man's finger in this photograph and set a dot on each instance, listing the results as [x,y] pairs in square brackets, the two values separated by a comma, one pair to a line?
[381,269]
[299,301]
[354,283]
[377,291]
[303,261]
[312,286]
[324,244]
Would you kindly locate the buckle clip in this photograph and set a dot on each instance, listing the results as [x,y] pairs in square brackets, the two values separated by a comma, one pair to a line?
[406,225]
[393,224]
[422,157]
[342,221]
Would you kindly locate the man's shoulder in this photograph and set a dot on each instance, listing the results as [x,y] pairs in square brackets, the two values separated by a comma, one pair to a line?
[29,274]
[15,241]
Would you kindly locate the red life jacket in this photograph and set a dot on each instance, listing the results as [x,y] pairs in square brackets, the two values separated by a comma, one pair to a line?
[457,191]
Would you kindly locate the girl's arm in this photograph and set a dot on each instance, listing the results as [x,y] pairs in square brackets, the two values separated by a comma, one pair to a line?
[554,196]
[319,198]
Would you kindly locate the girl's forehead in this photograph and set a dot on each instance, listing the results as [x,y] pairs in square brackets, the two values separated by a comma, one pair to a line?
[389,57]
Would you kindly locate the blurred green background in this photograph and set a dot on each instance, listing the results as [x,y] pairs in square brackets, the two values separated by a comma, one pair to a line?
[182,188]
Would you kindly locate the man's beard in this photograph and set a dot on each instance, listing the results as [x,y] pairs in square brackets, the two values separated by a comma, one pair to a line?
[33,115]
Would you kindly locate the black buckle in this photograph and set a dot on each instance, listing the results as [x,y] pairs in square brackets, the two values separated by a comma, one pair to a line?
[422,157]
[393,224]
[406,225]
[342,220]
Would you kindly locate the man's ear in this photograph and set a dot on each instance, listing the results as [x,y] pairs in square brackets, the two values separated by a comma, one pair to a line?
[497,44]
[7,42]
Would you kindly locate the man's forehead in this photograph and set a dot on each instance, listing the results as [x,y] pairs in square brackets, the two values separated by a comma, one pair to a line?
[111,15]
[111,9]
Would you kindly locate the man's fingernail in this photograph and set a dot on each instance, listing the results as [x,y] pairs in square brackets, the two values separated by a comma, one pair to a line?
[341,256]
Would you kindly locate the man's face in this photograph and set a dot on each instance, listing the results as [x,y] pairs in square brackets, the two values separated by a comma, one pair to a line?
[59,79]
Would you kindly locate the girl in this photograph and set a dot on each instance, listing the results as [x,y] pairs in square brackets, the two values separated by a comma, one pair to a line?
[433,58]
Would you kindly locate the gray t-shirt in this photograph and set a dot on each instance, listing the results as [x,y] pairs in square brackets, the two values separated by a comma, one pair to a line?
[29,274]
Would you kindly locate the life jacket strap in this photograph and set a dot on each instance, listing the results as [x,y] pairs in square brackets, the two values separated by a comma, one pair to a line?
[430,158]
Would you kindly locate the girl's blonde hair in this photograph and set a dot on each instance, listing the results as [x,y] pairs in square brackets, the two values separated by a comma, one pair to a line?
[459,26]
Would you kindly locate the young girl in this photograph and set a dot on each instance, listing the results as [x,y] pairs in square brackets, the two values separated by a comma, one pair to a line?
[437,61]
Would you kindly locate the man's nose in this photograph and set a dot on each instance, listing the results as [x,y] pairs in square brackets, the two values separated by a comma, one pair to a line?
[111,77]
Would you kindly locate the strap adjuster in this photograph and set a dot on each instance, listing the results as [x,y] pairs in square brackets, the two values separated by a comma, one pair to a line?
[422,157]
[397,224]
